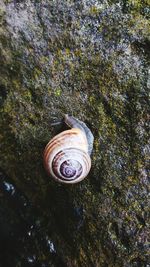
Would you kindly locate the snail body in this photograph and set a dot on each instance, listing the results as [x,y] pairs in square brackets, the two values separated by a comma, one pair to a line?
[67,155]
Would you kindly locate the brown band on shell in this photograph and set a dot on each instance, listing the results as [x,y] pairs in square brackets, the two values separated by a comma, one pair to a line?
[58,139]
[66,156]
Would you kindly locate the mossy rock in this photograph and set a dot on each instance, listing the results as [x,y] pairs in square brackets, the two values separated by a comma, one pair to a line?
[88,59]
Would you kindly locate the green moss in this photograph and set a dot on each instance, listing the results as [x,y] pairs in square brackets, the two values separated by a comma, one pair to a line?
[37,72]
[138,7]
[138,4]
[94,10]
[58,92]
[108,210]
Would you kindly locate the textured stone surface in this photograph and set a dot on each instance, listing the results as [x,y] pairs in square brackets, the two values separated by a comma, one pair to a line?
[89,59]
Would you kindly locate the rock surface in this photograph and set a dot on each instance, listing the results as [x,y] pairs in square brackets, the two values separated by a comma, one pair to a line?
[89,59]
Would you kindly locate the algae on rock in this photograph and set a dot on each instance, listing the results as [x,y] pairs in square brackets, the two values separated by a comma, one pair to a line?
[89,59]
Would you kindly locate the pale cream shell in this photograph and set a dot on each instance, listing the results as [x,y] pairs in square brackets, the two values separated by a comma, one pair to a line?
[75,139]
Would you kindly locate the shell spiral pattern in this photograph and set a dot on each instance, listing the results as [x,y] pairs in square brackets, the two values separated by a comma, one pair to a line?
[66,156]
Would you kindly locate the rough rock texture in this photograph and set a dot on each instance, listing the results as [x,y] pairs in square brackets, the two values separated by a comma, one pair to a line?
[88,58]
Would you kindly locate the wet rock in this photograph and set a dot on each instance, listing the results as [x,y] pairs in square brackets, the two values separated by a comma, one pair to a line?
[22,240]
[89,59]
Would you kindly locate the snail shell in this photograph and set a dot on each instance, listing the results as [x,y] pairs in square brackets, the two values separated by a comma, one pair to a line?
[66,156]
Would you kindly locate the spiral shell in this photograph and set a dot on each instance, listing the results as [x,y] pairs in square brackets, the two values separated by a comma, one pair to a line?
[66,156]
